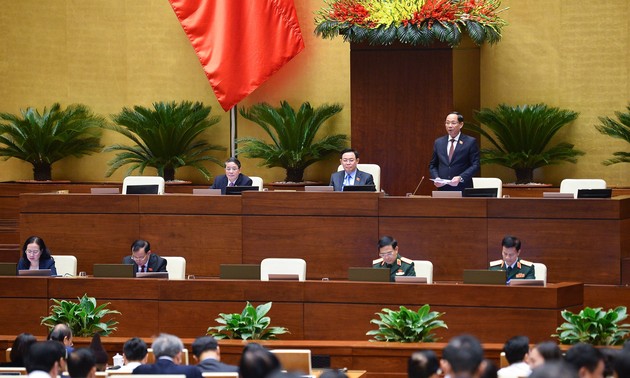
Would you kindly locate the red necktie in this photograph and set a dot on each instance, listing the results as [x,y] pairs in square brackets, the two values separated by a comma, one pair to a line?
[450,152]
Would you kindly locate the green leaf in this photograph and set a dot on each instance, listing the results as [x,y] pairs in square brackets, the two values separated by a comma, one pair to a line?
[251,323]
[84,317]
[406,325]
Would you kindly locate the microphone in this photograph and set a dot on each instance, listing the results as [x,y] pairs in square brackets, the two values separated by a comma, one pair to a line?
[418,187]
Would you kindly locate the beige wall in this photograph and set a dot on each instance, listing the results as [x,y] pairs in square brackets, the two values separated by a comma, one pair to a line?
[114,53]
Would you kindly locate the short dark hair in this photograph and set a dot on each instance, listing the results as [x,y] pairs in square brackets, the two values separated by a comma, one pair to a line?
[422,364]
[139,244]
[204,343]
[516,348]
[80,362]
[387,240]
[346,150]
[334,373]
[135,349]
[554,369]
[549,350]
[621,364]
[464,353]
[233,160]
[460,117]
[59,332]
[42,355]
[257,361]
[20,346]
[45,253]
[510,241]
[583,355]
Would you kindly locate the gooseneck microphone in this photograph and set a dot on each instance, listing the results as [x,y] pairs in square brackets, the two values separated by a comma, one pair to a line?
[418,187]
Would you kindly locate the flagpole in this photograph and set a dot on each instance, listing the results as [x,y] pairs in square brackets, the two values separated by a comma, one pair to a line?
[233,131]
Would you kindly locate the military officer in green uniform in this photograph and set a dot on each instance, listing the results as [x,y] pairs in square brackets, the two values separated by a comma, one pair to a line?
[389,258]
[514,267]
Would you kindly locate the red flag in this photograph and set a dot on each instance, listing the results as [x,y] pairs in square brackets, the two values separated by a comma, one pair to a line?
[240,43]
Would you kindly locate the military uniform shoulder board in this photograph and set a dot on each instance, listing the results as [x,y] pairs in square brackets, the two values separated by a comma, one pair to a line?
[526,263]
[408,261]
[377,261]
[496,262]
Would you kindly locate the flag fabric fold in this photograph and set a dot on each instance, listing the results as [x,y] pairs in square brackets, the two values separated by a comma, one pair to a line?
[240,43]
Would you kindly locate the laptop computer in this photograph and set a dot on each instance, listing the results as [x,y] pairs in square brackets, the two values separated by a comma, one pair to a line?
[446,194]
[115,270]
[38,272]
[239,271]
[410,279]
[594,193]
[104,191]
[207,192]
[238,190]
[152,275]
[526,282]
[368,274]
[319,188]
[295,360]
[143,189]
[480,192]
[557,195]
[484,277]
[283,277]
[359,188]
[8,269]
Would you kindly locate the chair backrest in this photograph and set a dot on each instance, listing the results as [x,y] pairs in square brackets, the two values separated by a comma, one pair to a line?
[282,266]
[151,356]
[65,264]
[142,181]
[176,267]
[540,271]
[572,185]
[373,169]
[424,268]
[294,360]
[257,181]
[489,182]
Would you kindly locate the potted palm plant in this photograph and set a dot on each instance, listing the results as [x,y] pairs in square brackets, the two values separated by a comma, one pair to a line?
[293,145]
[45,138]
[616,129]
[166,137]
[521,134]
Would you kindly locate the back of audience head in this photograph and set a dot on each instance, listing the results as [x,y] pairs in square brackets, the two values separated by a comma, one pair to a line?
[20,346]
[98,352]
[135,350]
[204,344]
[554,369]
[423,364]
[488,369]
[621,365]
[45,356]
[516,349]
[82,364]
[62,333]
[586,359]
[544,352]
[462,356]
[334,373]
[257,361]
[166,345]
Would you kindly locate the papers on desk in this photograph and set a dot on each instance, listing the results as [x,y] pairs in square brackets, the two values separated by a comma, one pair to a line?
[442,181]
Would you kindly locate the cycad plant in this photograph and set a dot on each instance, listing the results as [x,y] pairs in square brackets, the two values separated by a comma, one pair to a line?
[44,138]
[521,135]
[617,129]
[166,137]
[293,146]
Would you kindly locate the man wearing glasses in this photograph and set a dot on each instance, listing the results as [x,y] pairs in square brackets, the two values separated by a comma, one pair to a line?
[232,176]
[143,258]
[390,259]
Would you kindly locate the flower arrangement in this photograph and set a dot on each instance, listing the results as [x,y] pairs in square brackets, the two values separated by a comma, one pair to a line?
[414,22]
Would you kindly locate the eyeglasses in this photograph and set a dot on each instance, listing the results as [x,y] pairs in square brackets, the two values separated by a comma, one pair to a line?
[386,254]
[32,252]
[134,258]
[348,160]
[231,169]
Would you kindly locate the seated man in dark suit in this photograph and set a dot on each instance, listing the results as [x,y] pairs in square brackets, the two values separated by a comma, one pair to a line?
[143,258]
[232,176]
[168,357]
[511,262]
[350,175]
[206,351]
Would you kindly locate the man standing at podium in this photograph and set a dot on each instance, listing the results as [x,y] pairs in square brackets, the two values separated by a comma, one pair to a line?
[455,157]
[389,259]
[511,262]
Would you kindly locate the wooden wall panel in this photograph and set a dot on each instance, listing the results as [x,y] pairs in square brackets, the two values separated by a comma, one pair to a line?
[400,96]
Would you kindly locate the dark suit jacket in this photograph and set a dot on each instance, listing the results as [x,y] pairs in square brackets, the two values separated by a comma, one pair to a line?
[164,366]
[156,263]
[24,264]
[465,162]
[221,182]
[361,178]
[211,365]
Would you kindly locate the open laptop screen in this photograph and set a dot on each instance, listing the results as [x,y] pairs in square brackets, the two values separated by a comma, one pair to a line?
[236,190]
[37,272]
[8,269]
[484,277]
[480,192]
[368,274]
[114,270]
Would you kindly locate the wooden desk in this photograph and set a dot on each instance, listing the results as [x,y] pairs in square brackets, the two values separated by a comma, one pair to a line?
[311,310]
